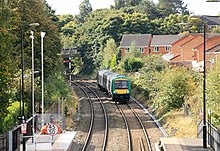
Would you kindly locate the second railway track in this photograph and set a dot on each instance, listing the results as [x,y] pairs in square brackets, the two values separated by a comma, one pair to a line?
[97,133]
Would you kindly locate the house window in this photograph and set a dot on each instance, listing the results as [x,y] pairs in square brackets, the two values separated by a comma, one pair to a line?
[167,48]
[156,49]
[141,50]
[126,50]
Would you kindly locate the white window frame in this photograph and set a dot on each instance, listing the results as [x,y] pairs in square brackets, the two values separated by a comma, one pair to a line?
[156,49]
[167,48]
[141,50]
[127,50]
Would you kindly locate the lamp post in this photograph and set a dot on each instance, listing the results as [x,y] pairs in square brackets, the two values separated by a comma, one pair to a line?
[42,72]
[204,90]
[22,114]
[32,75]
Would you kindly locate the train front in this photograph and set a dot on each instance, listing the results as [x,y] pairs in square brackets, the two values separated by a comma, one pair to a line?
[121,89]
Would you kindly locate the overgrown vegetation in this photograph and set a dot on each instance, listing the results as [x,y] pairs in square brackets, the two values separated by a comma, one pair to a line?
[15,17]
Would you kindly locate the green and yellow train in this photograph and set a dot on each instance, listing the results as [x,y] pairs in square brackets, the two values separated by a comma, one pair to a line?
[117,86]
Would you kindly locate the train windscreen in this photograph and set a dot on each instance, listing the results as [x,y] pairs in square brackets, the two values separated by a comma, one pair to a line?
[121,84]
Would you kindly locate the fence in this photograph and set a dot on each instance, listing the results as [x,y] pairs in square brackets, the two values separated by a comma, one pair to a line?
[14,136]
[3,145]
[213,135]
[58,119]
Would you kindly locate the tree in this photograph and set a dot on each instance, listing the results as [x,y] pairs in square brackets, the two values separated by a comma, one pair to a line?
[174,87]
[109,54]
[126,3]
[7,66]
[150,9]
[213,94]
[85,8]
[15,17]
[168,7]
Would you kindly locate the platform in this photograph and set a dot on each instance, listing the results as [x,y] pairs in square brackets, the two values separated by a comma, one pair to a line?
[180,144]
[50,143]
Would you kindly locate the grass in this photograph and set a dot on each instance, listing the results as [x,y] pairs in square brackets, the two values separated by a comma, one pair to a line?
[177,124]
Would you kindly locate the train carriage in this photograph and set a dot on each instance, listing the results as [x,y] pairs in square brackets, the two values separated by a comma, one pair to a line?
[117,86]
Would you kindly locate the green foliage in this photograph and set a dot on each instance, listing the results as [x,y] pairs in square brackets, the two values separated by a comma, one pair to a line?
[15,18]
[213,94]
[135,64]
[85,8]
[109,54]
[174,88]
[170,24]
[55,87]
[168,7]
[11,119]
[216,29]
[126,3]
[113,63]
[147,79]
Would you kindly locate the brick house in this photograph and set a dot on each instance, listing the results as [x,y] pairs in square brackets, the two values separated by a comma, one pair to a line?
[161,44]
[212,41]
[140,41]
[176,50]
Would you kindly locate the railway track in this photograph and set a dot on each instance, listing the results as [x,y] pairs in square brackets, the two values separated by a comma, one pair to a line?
[138,138]
[126,126]
[144,142]
[97,133]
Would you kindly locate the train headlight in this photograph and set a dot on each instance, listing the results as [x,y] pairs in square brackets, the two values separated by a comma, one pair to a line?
[114,92]
[128,92]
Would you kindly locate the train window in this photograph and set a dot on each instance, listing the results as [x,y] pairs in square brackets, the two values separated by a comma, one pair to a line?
[121,84]
[124,84]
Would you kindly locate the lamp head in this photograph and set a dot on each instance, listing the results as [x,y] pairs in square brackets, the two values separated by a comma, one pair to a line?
[42,34]
[34,24]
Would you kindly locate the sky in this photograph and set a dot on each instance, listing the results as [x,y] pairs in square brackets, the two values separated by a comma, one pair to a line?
[197,7]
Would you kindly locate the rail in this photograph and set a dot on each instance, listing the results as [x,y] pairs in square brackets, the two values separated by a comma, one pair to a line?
[91,119]
[106,120]
[127,128]
[143,128]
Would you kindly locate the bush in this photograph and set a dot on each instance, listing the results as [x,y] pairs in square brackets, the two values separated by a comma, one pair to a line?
[133,64]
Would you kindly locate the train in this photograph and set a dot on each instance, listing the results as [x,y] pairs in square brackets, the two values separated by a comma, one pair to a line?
[117,86]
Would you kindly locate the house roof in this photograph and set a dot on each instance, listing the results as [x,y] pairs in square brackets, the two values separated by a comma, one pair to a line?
[215,48]
[139,39]
[183,38]
[190,40]
[164,40]
[211,20]
[208,39]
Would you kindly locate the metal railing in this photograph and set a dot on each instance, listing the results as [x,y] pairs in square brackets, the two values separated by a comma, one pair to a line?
[213,135]
[15,137]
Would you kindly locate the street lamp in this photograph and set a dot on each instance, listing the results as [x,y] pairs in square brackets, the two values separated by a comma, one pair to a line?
[32,75]
[204,90]
[42,72]
[22,115]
